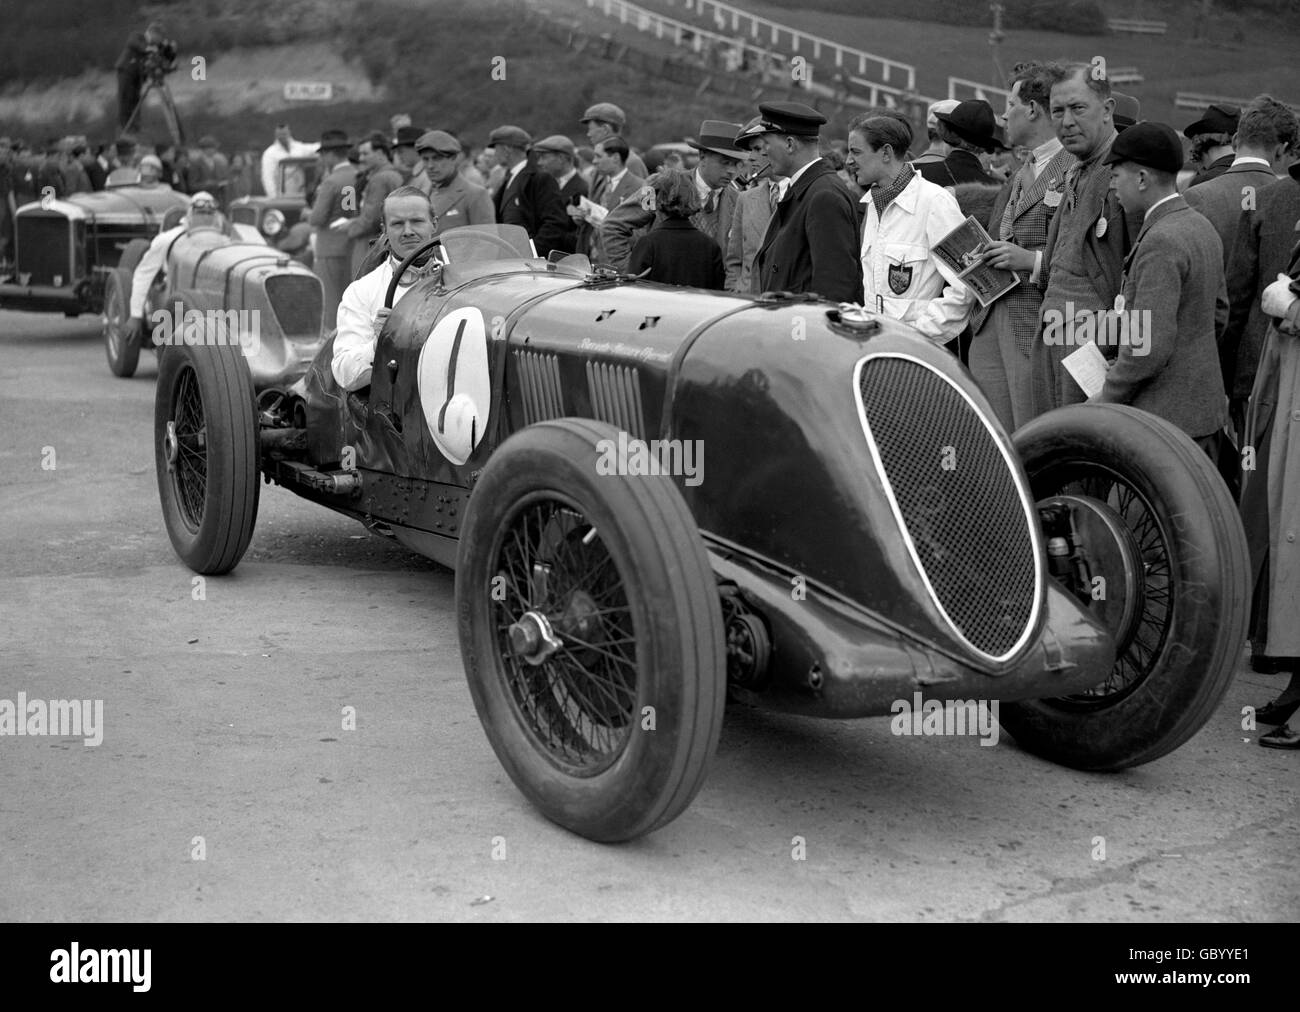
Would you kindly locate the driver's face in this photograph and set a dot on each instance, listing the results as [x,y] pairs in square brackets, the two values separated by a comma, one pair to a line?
[408,223]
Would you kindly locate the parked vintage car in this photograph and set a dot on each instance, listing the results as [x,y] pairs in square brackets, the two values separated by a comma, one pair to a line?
[282,220]
[273,303]
[652,495]
[65,250]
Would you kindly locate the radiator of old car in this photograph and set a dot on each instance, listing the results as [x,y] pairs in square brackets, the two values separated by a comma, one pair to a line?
[296,301]
[46,249]
[960,497]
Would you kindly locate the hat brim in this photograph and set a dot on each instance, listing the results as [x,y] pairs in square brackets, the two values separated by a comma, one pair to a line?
[988,143]
[717,150]
[1205,126]
[335,146]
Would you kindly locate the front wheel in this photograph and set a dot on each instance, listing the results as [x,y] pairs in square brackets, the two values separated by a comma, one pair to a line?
[121,344]
[591,631]
[206,451]
[1162,533]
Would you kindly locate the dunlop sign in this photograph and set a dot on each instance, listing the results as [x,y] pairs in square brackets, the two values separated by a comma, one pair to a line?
[308,91]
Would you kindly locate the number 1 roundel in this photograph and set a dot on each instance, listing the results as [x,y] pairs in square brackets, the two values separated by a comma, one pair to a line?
[454,383]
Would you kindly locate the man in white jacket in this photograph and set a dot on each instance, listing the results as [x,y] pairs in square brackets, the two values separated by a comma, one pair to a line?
[284,146]
[905,218]
[408,224]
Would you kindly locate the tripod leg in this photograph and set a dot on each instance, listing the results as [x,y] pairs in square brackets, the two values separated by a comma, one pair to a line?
[171,115]
[135,113]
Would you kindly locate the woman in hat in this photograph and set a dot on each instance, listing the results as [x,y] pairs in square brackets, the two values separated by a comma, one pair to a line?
[674,251]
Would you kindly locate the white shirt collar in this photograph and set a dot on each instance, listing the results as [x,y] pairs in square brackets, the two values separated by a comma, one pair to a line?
[701,187]
[563,181]
[515,171]
[1043,154]
[617,178]
[795,178]
[1251,160]
[1157,204]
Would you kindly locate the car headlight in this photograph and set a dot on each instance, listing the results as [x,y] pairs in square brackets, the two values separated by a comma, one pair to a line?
[273,222]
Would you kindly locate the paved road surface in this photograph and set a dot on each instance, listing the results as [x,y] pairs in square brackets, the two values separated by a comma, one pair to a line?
[223,720]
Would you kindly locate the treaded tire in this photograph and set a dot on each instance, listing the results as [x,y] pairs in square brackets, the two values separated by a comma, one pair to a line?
[533,715]
[209,494]
[1204,590]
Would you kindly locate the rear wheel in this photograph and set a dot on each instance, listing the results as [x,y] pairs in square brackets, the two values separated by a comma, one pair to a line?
[1159,527]
[592,633]
[206,451]
[121,343]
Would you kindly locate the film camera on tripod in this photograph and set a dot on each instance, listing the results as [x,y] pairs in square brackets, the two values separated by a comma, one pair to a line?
[143,67]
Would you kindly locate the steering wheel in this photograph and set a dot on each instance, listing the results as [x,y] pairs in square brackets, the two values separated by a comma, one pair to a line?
[397,274]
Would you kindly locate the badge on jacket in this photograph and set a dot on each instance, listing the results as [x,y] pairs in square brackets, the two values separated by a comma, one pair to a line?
[900,278]
[1052,198]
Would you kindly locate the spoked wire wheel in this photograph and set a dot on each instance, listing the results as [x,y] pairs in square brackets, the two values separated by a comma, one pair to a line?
[185,444]
[1156,521]
[566,635]
[592,633]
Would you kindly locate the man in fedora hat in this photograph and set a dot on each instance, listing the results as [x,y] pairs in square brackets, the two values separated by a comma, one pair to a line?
[528,196]
[719,161]
[605,119]
[1211,138]
[969,129]
[406,159]
[456,201]
[811,243]
[336,197]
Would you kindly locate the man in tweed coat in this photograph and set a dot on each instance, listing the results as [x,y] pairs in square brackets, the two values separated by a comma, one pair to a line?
[1173,278]
[1005,332]
[1089,235]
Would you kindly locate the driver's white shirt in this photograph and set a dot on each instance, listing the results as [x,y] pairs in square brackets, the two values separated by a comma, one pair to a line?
[354,344]
[152,261]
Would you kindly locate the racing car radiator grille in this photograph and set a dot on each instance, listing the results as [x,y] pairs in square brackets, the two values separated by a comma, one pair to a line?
[44,243]
[539,383]
[296,300]
[616,396]
[959,499]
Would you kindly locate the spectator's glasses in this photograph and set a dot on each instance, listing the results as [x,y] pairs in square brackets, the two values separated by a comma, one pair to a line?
[203,205]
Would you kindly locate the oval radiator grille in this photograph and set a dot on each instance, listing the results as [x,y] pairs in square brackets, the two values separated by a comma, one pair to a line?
[966,517]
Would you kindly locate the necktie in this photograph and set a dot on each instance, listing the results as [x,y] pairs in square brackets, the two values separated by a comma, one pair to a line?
[773,196]
[711,202]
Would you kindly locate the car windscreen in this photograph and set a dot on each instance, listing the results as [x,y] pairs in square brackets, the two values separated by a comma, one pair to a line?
[486,242]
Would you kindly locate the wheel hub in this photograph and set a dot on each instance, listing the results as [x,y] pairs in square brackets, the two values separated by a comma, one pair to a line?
[171,446]
[532,639]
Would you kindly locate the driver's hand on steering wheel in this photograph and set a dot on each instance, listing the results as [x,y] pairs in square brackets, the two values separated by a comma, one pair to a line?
[380,317]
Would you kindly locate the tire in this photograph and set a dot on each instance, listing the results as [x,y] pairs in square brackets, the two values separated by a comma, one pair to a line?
[571,729]
[206,451]
[1178,655]
[121,344]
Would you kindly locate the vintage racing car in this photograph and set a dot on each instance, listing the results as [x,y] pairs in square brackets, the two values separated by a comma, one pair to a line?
[282,220]
[274,302]
[66,250]
[652,496]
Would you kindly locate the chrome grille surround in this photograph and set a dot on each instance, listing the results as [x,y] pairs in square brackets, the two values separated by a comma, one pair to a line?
[977,522]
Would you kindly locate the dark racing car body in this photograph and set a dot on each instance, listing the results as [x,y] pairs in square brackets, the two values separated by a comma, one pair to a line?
[653,497]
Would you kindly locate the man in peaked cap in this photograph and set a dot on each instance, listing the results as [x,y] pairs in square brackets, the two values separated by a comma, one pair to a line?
[811,243]
[1173,298]
[456,200]
[605,119]
[1211,138]
[528,196]
[719,161]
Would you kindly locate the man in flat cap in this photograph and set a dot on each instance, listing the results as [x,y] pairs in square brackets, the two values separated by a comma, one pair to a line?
[812,240]
[1211,138]
[605,119]
[1089,235]
[528,196]
[719,161]
[336,198]
[929,163]
[754,207]
[456,201]
[1173,297]
[555,156]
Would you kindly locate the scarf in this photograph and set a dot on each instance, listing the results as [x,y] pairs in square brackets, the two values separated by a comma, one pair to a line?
[882,195]
[421,268]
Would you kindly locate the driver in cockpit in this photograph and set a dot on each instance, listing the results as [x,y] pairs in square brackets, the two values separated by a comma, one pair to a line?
[202,213]
[409,223]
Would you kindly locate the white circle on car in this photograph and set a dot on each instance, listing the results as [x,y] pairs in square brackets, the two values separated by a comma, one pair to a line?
[454,383]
